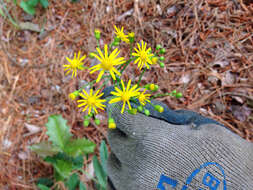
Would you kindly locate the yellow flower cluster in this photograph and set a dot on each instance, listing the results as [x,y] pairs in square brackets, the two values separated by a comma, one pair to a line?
[111,65]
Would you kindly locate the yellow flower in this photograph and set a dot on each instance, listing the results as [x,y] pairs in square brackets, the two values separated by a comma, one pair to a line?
[125,94]
[107,63]
[91,101]
[144,98]
[143,56]
[75,64]
[120,33]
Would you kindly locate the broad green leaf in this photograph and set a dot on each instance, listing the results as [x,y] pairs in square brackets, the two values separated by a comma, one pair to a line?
[45,181]
[82,186]
[100,173]
[77,162]
[58,131]
[103,155]
[63,168]
[28,9]
[32,3]
[44,149]
[44,3]
[42,187]
[15,2]
[72,182]
[77,147]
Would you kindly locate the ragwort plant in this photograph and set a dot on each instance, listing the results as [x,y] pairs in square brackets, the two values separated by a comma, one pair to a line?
[65,153]
[111,67]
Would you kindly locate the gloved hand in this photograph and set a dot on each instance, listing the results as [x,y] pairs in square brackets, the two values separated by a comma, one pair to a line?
[176,150]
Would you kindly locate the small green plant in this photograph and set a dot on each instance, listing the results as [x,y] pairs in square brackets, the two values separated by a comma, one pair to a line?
[29,6]
[100,167]
[66,155]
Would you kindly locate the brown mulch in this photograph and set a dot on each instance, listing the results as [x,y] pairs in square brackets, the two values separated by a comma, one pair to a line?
[209,59]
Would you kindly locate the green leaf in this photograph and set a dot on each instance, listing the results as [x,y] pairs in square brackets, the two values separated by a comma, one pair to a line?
[28,9]
[44,3]
[77,162]
[63,168]
[58,131]
[42,187]
[77,147]
[100,173]
[45,181]
[44,149]
[82,186]
[72,182]
[103,155]
[32,3]
[15,2]
[2,12]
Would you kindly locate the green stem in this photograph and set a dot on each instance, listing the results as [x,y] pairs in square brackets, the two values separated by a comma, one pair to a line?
[6,12]
[125,65]
[131,49]
[110,47]
[161,95]
[98,44]
[105,82]
[143,71]
[91,83]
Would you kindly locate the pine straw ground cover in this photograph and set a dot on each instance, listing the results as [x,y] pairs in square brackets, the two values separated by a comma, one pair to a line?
[209,59]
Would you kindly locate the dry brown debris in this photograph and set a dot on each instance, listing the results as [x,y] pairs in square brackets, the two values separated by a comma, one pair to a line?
[209,59]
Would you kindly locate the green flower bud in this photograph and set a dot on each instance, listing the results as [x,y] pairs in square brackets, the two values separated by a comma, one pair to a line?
[174,92]
[156,87]
[147,86]
[86,123]
[111,120]
[146,112]
[97,34]
[158,46]
[140,108]
[162,58]
[132,111]
[179,95]
[162,51]
[159,108]
[97,121]
[115,43]
[117,39]
[161,64]
[87,117]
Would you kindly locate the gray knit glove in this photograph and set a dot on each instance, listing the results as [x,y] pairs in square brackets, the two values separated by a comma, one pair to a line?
[176,150]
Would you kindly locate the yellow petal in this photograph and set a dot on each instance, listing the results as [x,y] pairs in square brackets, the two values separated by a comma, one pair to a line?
[114,100]
[100,76]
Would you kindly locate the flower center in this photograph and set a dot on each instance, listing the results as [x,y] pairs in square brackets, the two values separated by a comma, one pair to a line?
[106,64]
[91,101]
[125,97]
[143,56]
[74,64]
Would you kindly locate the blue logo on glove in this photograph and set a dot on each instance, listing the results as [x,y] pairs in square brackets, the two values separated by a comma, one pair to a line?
[208,179]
